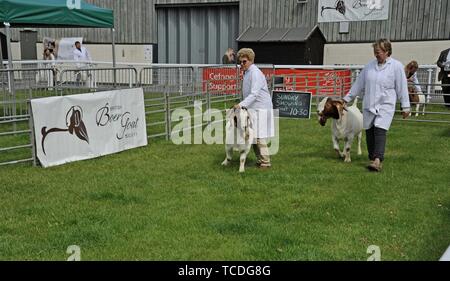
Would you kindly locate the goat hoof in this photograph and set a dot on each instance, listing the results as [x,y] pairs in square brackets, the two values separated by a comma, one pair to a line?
[347,160]
[225,163]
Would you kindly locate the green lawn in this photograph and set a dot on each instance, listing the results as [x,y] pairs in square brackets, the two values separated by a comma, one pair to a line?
[168,202]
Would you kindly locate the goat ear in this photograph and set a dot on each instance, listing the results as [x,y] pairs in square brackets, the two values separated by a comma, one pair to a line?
[340,108]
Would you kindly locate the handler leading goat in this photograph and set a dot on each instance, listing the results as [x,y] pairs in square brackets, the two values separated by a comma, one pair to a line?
[259,103]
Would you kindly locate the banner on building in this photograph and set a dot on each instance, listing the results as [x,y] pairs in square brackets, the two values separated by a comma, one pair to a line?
[78,127]
[352,10]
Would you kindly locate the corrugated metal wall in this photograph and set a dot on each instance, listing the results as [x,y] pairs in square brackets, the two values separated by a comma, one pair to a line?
[408,20]
[196,34]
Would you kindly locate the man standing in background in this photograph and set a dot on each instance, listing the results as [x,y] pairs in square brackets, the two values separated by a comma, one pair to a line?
[444,75]
[81,54]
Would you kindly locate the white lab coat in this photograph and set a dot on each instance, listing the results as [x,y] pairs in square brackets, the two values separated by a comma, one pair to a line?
[258,101]
[82,55]
[380,87]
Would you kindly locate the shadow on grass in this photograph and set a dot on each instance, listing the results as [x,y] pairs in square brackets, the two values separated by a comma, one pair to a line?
[330,155]
[445,133]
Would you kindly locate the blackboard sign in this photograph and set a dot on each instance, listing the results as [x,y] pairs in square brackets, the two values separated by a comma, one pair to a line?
[292,104]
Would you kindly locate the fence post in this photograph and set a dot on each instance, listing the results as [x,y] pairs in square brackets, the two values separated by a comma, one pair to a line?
[240,93]
[32,137]
[306,83]
[430,81]
[130,84]
[167,117]
[335,81]
[273,81]
[180,81]
[317,89]
[294,82]
[208,104]
[14,100]
[193,79]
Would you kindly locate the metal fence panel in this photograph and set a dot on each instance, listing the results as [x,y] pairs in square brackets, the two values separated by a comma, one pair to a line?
[171,87]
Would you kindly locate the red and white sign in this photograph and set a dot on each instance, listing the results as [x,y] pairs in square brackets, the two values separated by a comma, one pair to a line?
[224,80]
[316,81]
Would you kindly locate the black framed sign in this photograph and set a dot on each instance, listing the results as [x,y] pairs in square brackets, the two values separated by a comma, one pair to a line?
[292,104]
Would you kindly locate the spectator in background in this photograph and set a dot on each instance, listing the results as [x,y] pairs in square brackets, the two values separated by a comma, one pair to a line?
[411,75]
[444,75]
[81,54]
[381,82]
[229,57]
[54,49]
[48,55]
[83,58]
[416,97]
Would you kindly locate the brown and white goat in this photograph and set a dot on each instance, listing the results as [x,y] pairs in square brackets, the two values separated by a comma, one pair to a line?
[347,124]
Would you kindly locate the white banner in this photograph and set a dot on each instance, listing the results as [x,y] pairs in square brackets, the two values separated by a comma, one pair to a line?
[66,47]
[78,127]
[353,10]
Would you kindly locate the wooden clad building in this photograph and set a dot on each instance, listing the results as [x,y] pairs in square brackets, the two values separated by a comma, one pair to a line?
[198,31]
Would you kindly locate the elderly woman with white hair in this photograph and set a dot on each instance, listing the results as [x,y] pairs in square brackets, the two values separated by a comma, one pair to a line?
[258,101]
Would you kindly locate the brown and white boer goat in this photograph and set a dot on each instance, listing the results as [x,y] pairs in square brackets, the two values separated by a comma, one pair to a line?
[416,99]
[347,124]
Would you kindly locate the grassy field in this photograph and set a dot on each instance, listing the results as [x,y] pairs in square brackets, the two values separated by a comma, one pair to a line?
[168,202]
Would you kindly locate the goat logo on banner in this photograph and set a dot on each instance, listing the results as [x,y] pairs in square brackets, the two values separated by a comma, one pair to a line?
[74,124]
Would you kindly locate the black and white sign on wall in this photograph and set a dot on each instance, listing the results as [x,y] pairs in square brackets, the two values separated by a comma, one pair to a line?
[352,10]
[78,127]
[292,104]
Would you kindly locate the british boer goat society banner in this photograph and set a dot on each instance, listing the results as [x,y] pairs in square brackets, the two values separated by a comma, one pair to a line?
[78,127]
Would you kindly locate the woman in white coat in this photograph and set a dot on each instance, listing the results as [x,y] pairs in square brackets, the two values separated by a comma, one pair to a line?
[258,101]
[381,83]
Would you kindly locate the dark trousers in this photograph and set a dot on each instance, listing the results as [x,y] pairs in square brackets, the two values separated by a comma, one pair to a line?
[376,142]
[446,90]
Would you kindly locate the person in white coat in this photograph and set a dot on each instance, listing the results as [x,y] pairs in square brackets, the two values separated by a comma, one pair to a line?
[81,54]
[380,83]
[258,101]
